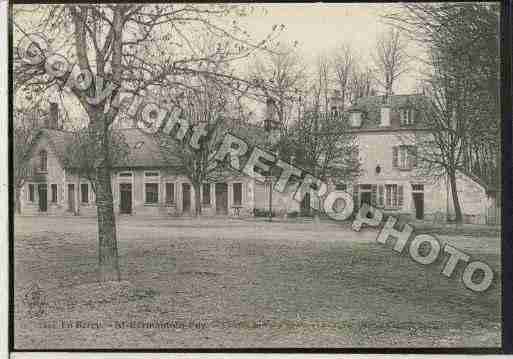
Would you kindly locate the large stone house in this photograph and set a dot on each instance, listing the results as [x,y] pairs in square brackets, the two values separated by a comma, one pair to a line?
[147,185]
[387,134]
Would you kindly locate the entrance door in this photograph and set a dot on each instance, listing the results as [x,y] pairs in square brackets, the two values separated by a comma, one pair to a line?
[43,197]
[186,198]
[221,198]
[71,197]
[418,199]
[125,196]
[305,205]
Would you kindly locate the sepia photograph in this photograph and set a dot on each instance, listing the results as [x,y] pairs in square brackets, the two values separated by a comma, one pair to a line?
[222,176]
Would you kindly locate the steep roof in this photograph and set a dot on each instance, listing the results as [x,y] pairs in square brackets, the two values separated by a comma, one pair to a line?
[371,108]
[143,148]
[59,140]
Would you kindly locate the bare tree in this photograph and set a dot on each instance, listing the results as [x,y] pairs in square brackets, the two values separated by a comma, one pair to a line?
[282,75]
[205,108]
[81,154]
[461,41]
[131,47]
[345,71]
[25,136]
[362,83]
[390,59]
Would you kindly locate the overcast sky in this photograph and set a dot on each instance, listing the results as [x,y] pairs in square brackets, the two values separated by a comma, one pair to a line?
[322,27]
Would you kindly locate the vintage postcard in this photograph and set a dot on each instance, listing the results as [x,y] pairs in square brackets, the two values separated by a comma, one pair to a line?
[256,176]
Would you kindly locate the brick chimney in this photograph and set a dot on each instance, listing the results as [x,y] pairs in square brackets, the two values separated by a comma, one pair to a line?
[53,122]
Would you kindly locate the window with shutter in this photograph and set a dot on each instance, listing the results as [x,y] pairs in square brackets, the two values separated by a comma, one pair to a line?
[395,151]
[413,156]
[400,197]
[381,196]
[355,197]
[392,196]
[374,194]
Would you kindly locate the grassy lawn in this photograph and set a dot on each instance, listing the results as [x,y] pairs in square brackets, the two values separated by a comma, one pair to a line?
[246,283]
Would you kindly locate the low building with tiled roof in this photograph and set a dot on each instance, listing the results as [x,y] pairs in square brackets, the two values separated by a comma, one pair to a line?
[145,183]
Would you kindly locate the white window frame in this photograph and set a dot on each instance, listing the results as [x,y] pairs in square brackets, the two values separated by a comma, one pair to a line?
[41,169]
[406,116]
[391,197]
[405,158]
[126,172]
[152,177]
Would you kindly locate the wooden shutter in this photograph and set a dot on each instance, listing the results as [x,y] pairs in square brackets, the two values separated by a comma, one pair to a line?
[374,200]
[355,197]
[395,151]
[413,156]
[400,196]
[381,196]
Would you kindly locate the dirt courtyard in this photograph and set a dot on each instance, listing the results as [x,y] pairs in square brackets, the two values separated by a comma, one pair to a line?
[228,283]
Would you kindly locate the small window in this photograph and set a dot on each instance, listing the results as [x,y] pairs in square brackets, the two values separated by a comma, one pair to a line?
[237,194]
[31,192]
[84,191]
[170,193]
[125,174]
[54,192]
[406,116]
[206,194]
[151,174]
[152,192]
[341,187]
[43,156]
[417,187]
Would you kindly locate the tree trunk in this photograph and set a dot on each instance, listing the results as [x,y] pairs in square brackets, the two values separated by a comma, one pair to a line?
[18,199]
[455,198]
[108,249]
[79,199]
[197,200]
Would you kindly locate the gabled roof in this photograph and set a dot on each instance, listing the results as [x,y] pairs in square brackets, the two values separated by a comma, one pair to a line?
[60,140]
[371,108]
[143,148]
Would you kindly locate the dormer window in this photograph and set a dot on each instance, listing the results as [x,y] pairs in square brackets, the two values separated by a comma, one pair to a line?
[356,119]
[406,116]
[43,161]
